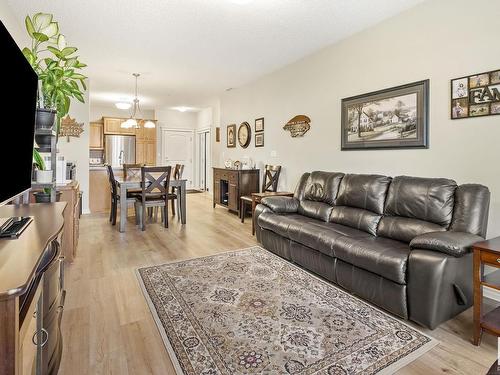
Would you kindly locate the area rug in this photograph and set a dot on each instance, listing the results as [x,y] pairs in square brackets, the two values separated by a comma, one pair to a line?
[251,312]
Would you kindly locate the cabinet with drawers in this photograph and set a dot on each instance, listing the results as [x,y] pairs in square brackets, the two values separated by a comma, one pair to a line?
[231,184]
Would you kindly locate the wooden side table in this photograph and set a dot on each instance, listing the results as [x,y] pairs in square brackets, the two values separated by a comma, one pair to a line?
[257,197]
[486,253]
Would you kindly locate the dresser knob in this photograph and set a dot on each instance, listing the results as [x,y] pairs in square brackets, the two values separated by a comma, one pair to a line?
[498,260]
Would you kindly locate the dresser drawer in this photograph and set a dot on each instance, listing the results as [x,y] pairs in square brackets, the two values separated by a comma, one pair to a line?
[490,258]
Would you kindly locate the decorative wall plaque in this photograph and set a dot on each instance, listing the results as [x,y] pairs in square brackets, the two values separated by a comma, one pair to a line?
[298,126]
[70,128]
[475,95]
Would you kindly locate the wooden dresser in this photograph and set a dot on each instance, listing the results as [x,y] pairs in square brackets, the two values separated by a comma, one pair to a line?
[231,184]
[32,292]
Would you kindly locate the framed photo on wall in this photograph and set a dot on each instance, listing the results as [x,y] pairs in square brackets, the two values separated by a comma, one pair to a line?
[231,135]
[259,140]
[259,124]
[475,95]
[397,117]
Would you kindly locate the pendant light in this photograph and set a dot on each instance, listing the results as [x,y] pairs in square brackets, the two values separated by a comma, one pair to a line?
[133,122]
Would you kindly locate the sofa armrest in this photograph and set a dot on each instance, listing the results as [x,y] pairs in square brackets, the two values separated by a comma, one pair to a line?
[281,205]
[451,243]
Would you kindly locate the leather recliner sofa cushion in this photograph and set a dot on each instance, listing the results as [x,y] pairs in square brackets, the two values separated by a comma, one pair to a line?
[382,256]
[415,206]
[309,232]
[320,192]
[360,201]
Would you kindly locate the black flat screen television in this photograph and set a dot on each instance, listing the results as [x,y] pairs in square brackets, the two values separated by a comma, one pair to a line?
[18,93]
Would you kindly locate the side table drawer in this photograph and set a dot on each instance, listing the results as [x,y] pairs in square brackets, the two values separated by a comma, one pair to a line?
[490,258]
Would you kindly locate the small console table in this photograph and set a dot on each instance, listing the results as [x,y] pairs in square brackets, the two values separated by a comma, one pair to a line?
[32,292]
[486,253]
[231,184]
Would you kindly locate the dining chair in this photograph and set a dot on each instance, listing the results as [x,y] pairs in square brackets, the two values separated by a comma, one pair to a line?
[173,196]
[115,195]
[269,183]
[132,170]
[154,184]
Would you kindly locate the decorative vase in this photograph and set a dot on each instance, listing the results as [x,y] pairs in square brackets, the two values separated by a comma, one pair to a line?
[43,177]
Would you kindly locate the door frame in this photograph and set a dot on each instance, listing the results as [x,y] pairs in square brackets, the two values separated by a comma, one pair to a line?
[180,130]
[208,181]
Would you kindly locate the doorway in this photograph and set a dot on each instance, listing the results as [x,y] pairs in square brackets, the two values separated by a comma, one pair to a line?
[177,148]
[203,159]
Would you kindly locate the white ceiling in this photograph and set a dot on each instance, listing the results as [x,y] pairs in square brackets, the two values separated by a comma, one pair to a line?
[190,50]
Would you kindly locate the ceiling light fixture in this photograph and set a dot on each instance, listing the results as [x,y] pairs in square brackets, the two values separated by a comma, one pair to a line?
[133,122]
[123,105]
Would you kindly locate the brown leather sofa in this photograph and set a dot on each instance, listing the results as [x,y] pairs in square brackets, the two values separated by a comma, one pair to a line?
[401,243]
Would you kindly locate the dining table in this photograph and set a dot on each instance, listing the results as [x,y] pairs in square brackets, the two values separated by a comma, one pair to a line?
[125,184]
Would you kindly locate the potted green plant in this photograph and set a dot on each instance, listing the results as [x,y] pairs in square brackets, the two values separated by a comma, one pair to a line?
[43,176]
[58,70]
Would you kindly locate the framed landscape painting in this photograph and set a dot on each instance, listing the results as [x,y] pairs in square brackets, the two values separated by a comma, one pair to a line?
[392,118]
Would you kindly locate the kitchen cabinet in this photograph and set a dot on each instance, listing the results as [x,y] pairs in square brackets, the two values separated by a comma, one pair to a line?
[145,152]
[113,126]
[146,134]
[96,136]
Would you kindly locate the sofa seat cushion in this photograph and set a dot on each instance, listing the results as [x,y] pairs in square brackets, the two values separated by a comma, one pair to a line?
[309,232]
[283,224]
[382,256]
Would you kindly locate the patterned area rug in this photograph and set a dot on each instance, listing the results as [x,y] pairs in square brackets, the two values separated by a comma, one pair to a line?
[251,312]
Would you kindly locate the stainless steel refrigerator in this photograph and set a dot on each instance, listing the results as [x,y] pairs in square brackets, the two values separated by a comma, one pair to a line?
[119,150]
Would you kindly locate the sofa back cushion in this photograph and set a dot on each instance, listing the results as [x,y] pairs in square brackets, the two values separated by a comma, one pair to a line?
[360,201]
[416,206]
[319,194]
[472,202]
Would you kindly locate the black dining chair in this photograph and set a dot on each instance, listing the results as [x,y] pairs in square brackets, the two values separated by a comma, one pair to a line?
[115,195]
[173,196]
[154,183]
[132,170]
[269,183]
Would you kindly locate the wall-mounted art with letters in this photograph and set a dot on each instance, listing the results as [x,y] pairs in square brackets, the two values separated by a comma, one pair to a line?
[475,95]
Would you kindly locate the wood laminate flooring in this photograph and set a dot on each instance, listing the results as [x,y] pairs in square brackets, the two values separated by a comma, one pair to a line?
[107,326]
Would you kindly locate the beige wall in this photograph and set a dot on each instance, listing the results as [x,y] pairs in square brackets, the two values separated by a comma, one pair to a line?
[439,40]
[16,28]
[77,149]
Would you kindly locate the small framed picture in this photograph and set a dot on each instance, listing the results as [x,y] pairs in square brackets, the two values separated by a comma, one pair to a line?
[495,108]
[479,80]
[231,135]
[495,77]
[460,88]
[459,108]
[259,140]
[479,110]
[259,124]
[217,134]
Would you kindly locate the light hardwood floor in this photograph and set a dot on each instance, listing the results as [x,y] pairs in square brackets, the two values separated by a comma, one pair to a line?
[107,326]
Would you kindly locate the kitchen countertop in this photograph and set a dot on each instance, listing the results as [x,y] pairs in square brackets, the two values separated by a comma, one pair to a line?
[102,168]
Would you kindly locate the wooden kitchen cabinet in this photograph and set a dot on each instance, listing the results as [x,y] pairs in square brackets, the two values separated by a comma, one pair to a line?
[145,152]
[96,141]
[99,190]
[113,126]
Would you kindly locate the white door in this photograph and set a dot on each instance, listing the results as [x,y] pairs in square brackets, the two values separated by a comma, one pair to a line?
[177,148]
[203,159]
